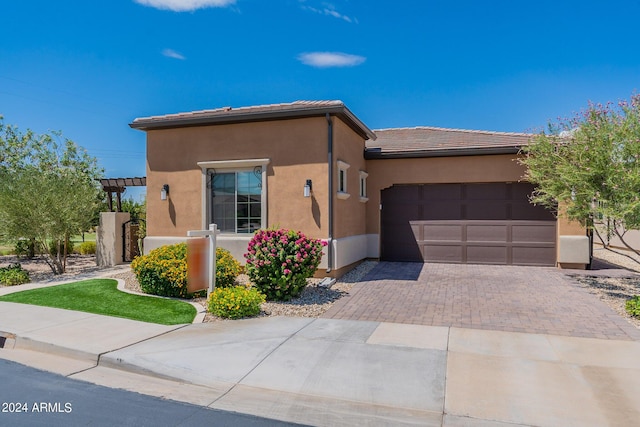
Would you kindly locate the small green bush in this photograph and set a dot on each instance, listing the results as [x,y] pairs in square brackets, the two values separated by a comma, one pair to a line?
[163,271]
[53,247]
[87,248]
[633,306]
[13,275]
[25,247]
[280,261]
[235,302]
[227,268]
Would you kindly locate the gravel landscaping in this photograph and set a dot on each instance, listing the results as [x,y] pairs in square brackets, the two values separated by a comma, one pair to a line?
[615,291]
[313,301]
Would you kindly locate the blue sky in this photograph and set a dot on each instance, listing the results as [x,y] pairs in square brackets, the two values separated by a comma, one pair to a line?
[88,68]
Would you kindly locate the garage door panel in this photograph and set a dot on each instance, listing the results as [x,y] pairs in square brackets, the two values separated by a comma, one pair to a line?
[523,211]
[402,194]
[491,191]
[442,252]
[483,254]
[399,212]
[442,232]
[487,233]
[402,232]
[534,232]
[479,210]
[408,253]
[442,210]
[533,255]
[441,191]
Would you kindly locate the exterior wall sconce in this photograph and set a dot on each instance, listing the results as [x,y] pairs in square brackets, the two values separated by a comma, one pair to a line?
[164,192]
[307,188]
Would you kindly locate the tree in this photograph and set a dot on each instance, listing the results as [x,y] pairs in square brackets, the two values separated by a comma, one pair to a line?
[48,188]
[136,209]
[589,165]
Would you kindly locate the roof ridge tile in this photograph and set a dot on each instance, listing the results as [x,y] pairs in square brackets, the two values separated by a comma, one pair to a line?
[435,128]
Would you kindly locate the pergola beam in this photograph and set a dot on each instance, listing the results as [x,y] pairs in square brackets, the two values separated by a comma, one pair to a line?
[118,186]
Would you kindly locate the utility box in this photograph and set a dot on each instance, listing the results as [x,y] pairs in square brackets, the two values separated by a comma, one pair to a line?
[574,250]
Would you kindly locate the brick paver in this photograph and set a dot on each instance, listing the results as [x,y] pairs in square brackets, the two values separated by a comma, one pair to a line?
[505,298]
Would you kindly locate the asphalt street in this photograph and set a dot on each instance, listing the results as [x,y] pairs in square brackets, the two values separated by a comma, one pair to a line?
[30,397]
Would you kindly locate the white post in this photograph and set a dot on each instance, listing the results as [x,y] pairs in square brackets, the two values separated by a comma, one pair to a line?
[211,262]
[213,228]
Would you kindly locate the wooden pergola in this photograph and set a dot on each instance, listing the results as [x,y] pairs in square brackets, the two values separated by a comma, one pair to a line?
[118,186]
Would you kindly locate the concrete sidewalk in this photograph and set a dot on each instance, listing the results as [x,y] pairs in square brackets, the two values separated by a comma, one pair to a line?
[341,372]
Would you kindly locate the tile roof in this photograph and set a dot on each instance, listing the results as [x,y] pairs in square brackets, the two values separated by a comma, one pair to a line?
[433,141]
[226,115]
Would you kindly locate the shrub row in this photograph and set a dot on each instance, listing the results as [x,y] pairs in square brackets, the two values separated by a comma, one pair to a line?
[25,248]
[279,262]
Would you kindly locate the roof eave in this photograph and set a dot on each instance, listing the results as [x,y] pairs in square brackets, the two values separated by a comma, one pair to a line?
[373,154]
[146,124]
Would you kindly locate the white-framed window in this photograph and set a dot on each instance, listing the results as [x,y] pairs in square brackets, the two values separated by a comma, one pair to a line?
[363,186]
[234,195]
[342,192]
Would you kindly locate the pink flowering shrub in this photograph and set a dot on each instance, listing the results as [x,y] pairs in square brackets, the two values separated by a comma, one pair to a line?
[280,261]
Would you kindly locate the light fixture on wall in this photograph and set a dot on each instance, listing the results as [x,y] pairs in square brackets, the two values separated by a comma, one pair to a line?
[307,188]
[164,192]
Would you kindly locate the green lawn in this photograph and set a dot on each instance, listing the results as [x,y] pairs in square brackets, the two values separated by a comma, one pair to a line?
[101,296]
[88,237]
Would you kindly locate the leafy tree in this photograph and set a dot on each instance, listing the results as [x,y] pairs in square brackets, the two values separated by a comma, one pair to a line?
[48,189]
[136,209]
[589,165]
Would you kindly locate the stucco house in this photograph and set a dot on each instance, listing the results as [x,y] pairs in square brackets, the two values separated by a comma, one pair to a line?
[412,194]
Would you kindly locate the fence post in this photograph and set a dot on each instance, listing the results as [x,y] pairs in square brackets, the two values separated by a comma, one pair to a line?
[213,244]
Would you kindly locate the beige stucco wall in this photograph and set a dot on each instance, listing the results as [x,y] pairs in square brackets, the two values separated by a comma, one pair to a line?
[349,213]
[297,150]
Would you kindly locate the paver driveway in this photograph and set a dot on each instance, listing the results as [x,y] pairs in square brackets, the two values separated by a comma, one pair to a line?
[505,298]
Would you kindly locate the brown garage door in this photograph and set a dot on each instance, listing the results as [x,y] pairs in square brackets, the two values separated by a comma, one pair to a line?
[466,223]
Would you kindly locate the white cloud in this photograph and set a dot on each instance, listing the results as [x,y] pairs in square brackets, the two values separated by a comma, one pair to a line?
[185,5]
[330,59]
[170,53]
[329,10]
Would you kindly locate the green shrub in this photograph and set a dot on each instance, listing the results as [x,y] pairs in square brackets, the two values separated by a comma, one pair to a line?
[280,261]
[227,268]
[163,271]
[87,248]
[633,306]
[25,247]
[235,302]
[13,275]
[53,247]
